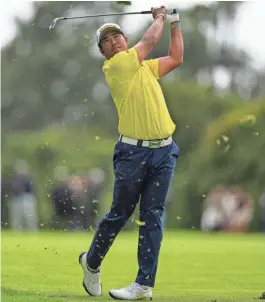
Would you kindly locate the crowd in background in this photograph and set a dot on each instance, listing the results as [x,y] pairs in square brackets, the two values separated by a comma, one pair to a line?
[229,209]
[76,199]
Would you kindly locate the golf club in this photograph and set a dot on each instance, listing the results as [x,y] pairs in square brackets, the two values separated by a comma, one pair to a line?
[168,12]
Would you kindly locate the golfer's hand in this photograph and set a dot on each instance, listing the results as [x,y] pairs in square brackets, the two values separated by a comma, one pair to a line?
[173,18]
[158,11]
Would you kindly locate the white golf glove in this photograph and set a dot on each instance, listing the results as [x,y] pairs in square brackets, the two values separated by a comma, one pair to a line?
[173,17]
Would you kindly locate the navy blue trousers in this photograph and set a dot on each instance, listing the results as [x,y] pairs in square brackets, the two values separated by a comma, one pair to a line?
[141,174]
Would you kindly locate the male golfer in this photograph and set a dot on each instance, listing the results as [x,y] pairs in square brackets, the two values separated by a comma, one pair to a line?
[144,156]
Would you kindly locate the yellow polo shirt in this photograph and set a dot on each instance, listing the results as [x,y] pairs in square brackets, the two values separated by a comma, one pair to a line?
[138,97]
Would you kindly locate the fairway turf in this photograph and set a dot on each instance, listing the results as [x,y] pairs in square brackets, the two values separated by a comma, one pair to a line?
[192,267]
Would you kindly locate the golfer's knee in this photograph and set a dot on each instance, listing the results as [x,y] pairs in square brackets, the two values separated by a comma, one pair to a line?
[113,221]
[152,218]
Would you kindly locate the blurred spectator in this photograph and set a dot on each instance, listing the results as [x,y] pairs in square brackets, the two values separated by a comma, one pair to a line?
[213,218]
[227,209]
[262,205]
[244,211]
[22,204]
[62,198]
[76,198]
[95,187]
[78,186]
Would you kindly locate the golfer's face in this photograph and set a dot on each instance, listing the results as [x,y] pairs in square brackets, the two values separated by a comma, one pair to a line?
[113,43]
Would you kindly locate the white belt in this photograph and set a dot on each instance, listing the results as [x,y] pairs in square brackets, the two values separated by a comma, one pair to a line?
[156,143]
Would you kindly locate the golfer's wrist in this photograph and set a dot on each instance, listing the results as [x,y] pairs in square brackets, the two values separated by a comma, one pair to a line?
[174,19]
[160,16]
[174,24]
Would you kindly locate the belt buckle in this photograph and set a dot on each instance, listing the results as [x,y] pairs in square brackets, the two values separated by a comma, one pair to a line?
[154,144]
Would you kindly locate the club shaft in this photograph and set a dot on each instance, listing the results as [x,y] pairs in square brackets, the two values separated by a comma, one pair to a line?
[168,11]
[106,15]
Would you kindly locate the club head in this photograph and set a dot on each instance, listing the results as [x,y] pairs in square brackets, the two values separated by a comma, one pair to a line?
[53,23]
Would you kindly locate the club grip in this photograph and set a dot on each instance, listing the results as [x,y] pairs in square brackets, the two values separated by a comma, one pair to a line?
[171,11]
[145,12]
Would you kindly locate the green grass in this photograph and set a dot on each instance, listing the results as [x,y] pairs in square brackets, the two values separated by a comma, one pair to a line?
[193,267]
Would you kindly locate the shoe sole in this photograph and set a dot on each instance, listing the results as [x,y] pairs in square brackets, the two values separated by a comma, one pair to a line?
[84,286]
[115,298]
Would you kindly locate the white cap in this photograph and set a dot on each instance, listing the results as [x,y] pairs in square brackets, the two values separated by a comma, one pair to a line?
[105,28]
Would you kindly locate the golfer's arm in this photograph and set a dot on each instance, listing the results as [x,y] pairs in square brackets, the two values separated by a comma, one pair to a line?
[175,55]
[150,38]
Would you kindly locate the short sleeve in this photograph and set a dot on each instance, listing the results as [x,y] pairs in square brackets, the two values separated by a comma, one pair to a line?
[153,66]
[122,66]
